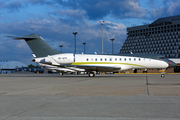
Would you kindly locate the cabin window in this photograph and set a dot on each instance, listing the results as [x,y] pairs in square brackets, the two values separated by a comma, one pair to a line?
[129,59]
[115,59]
[139,59]
[105,59]
[87,59]
[110,59]
[101,59]
[124,59]
[119,59]
[134,59]
[96,59]
[91,59]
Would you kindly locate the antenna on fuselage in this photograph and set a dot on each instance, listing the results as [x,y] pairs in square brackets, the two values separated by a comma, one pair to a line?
[131,52]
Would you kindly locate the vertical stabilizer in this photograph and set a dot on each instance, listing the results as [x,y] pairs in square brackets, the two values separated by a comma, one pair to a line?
[39,47]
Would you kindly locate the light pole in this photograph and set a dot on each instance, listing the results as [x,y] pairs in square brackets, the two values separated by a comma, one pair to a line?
[84,47]
[74,42]
[102,22]
[61,47]
[112,44]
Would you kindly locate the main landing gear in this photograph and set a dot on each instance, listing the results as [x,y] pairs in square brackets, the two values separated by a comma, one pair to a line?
[61,73]
[91,74]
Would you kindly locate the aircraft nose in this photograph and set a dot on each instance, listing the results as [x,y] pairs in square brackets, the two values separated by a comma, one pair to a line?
[172,64]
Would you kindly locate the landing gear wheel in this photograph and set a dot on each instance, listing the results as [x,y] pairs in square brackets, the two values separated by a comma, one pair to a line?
[162,75]
[91,74]
[61,73]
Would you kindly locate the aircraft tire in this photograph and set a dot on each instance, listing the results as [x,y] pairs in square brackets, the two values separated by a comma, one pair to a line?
[61,74]
[91,74]
[162,75]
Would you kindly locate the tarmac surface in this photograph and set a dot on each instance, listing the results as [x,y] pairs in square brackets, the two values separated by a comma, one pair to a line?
[79,97]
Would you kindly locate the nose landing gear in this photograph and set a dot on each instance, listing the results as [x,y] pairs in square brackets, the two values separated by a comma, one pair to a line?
[163,73]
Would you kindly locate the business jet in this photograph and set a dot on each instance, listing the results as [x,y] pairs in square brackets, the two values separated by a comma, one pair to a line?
[91,63]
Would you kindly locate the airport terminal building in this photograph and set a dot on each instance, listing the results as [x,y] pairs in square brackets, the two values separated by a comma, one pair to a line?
[160,37]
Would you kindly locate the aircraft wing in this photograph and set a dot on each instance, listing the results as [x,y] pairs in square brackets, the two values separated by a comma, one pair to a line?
[82,68]
[62,68]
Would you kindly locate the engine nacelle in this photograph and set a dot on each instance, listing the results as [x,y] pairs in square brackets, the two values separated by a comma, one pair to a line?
[56,59]
[64,58]
[44,60]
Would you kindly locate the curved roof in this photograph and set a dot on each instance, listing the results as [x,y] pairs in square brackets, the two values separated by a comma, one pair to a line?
[11,65]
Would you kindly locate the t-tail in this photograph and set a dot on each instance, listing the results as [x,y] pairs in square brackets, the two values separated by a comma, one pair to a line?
[39,47]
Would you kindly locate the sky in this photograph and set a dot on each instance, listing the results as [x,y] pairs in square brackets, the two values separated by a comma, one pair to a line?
[56,20]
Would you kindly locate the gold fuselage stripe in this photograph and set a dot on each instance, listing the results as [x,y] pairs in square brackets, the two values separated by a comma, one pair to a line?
[89,63]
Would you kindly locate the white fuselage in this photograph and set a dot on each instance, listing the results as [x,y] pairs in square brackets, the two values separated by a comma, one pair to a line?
[123,62]
[116,61]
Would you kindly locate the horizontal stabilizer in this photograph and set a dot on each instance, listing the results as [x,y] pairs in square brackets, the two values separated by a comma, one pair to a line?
[22,38]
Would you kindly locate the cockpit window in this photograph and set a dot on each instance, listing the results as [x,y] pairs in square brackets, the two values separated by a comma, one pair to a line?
[160,57]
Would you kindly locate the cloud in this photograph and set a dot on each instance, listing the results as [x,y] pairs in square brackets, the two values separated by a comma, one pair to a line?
[11,6]
[156,13]
[174,8]
[56,20]
[163,8]
[41,2]
[73,14]
[80,10]
[14,50]
[133,9]
[57,33]
[98,9]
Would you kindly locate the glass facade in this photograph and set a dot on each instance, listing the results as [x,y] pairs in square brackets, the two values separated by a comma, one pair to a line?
[160,37]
